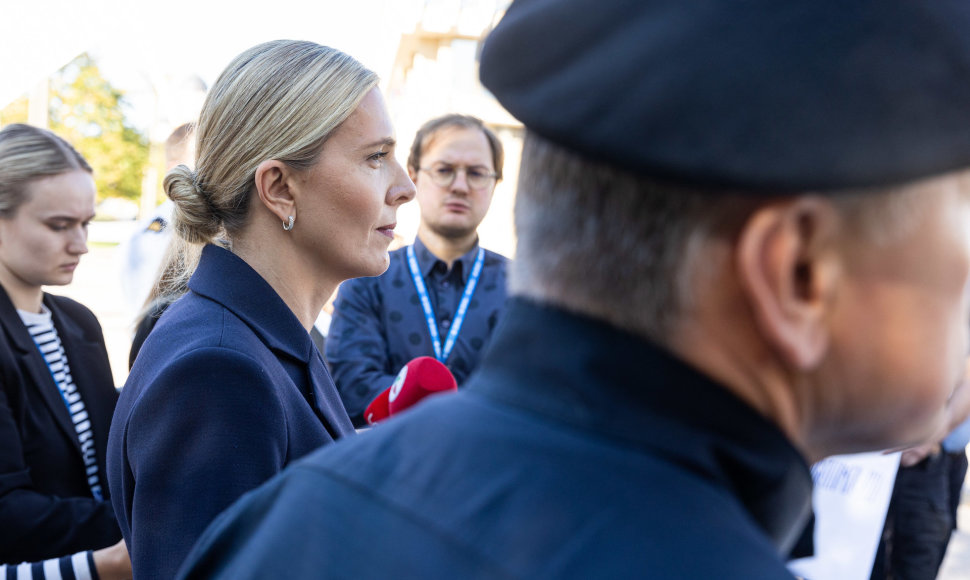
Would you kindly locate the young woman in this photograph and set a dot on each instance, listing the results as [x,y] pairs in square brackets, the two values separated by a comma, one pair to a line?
[296,188]
[56,390]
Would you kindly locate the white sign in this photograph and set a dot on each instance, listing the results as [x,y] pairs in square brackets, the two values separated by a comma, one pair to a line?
[850,500]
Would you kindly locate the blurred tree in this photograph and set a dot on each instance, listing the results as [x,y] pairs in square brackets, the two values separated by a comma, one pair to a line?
[89,112]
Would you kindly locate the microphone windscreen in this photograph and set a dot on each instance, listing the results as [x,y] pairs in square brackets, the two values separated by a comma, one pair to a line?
[418,379]
[377,410]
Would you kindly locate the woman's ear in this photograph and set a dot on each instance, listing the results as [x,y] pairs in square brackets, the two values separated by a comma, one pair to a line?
[274,188]
[788,269]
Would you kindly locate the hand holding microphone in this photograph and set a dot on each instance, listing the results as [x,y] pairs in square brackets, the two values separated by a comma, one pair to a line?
[420,378]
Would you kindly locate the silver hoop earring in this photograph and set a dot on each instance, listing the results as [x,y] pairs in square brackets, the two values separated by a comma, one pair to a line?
[289,225]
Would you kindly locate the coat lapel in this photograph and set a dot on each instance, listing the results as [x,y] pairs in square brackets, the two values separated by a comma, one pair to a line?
[257,304]
[89,368]
[328,404]
[36,371]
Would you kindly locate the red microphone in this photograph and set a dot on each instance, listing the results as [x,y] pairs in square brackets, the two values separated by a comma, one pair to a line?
[420,378]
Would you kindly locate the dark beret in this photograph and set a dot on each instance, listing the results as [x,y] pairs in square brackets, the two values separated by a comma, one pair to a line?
[769,95]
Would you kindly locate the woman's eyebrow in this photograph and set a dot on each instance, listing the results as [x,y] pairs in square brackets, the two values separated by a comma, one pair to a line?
[387,142]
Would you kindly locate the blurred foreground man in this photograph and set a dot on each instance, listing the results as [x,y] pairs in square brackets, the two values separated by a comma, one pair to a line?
[742,246]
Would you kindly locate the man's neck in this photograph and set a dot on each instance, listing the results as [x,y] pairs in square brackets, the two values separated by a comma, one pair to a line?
[745,367]
[444,248]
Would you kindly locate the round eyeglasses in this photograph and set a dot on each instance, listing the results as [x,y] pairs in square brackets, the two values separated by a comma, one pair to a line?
[443,175]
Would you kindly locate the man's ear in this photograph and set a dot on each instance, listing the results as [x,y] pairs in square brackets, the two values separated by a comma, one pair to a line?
[274,188]
[787,266]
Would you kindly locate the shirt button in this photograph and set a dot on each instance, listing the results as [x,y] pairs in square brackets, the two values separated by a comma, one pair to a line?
[445,323]
[445,284]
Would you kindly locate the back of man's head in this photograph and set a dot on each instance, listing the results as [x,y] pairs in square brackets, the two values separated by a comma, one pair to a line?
[746,183]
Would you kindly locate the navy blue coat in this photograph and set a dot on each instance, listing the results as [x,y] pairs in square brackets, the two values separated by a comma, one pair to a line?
[46,506]
[576,451]
[227,390]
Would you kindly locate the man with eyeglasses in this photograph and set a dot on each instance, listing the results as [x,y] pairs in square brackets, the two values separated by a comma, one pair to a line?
[441,296]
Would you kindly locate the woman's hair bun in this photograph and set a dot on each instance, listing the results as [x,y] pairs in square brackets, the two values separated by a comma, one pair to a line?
[195,220]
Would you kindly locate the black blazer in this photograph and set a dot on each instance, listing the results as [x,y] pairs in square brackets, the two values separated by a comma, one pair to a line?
[46,506]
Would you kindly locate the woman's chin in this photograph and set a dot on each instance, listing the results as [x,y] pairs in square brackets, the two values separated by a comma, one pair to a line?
[374,267]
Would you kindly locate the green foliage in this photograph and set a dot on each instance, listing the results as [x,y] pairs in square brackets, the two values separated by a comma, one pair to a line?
[90,114]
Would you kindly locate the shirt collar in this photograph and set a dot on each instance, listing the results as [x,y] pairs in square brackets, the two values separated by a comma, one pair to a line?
[427,260]
[586,373]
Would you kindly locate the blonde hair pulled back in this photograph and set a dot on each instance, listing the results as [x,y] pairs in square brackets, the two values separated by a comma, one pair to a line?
[278,100]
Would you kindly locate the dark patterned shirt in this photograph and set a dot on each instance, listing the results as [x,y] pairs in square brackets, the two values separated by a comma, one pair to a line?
[379,325]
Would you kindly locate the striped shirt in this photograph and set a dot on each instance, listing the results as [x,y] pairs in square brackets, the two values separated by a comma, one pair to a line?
[79,566]
[42,330]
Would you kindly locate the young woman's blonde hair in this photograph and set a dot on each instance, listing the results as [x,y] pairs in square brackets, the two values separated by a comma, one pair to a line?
[29,153]
[278,100]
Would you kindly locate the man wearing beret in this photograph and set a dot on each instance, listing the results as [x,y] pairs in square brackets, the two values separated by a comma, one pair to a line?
[743,245]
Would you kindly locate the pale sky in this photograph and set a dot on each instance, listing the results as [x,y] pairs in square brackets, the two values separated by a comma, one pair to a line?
[136,43]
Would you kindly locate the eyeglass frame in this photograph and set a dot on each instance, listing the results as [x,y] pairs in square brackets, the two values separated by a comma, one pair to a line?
[489,177]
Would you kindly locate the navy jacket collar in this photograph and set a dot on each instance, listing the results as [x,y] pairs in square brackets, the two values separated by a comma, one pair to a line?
[252,299]
[586,373]
[427,260]
[255,302]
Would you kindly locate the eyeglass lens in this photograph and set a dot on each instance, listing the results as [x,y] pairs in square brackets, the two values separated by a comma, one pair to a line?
[444,175]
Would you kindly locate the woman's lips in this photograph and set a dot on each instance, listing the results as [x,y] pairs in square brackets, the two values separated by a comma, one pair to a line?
[387,230]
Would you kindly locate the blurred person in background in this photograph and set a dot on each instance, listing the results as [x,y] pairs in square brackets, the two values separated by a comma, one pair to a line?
[143,254]
[56,390]
[295,189]
[441,296]
[743,245]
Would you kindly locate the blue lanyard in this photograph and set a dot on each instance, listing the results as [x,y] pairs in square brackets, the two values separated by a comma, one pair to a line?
[53,376]
[466,297]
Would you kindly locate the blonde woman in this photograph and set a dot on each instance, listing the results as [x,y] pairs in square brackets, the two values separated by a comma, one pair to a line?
[296,188]
[56,390]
